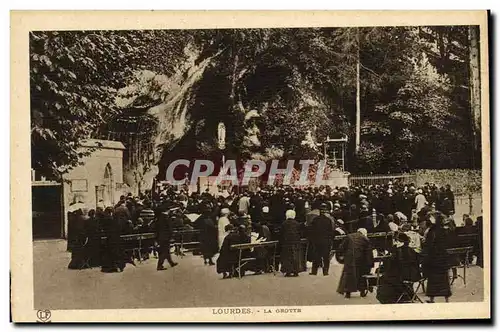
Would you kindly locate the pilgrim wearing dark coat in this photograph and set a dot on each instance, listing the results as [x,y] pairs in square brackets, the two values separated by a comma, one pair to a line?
[255,210]
[402,265]
[113,260]
[290,246]
[358,261]
[321,236]
[208,238]
[80,251]
[300,209]
[436,259]
[93,233]
[228,257]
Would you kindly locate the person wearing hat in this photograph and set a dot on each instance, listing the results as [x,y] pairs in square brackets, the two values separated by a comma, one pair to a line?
[358,261]
[420,200]
[436,259]
[321,236]
[402,265]
[163,237]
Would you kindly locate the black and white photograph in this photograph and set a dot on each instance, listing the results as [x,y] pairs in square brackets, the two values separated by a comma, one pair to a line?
[256,173]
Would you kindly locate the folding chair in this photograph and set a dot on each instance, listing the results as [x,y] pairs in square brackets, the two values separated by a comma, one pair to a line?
[372,280]
[411,292]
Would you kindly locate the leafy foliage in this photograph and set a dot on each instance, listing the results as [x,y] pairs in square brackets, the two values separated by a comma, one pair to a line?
[74,77]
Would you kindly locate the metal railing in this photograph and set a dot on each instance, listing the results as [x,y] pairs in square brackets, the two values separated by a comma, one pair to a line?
[367,180]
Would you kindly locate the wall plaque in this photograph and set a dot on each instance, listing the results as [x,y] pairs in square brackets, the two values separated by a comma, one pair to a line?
[79,185]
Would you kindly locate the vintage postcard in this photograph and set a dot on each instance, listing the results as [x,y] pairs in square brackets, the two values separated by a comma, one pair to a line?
[249,166]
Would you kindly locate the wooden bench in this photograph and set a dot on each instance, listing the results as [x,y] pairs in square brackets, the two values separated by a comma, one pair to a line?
[248,246]
[275,255]
[178,240]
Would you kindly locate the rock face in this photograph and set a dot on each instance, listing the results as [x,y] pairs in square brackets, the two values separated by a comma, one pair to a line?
[184,123]
[171,111]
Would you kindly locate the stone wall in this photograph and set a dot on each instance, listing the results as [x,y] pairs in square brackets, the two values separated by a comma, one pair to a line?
[462,181]
[99,177]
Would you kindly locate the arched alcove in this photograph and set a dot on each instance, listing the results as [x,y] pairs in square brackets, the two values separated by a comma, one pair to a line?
[108,186]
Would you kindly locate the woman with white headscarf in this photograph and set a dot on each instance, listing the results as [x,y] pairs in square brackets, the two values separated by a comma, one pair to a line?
[222,223]
[290,246]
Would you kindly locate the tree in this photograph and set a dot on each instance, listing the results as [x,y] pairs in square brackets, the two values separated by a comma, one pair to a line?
[74,78]
[475,92]
[450,51]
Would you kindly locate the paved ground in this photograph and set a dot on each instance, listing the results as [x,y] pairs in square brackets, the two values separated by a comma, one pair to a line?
[190,284]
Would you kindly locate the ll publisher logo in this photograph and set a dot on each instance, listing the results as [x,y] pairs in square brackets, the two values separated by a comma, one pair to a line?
[43,315]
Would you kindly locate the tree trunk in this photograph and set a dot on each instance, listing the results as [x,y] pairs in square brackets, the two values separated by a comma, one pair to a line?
[475,94]
[358,102]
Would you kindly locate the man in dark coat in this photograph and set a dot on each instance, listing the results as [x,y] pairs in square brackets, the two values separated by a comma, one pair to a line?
[358,261]
[290,245]
[164,235]
[321,235]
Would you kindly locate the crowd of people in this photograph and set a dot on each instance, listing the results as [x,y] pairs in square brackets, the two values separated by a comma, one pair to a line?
[420,219]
